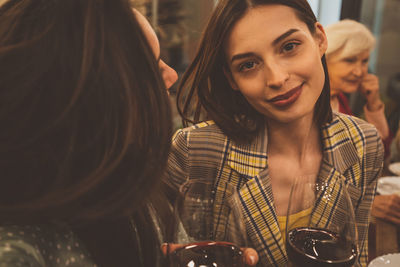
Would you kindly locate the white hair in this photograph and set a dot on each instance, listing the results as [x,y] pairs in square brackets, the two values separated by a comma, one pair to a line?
[348,38]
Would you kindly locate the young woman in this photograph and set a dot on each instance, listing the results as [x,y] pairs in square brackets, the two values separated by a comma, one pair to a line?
[85,117]
[258,93]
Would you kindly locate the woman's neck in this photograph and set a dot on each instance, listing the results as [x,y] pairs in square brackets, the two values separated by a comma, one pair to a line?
[294,150]
[334,102]
[295,139]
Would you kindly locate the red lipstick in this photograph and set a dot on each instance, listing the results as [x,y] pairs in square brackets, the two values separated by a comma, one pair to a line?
[287,98]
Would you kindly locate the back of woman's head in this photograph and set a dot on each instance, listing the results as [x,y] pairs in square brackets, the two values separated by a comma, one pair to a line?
[85,115]
[348,38]
[206,87]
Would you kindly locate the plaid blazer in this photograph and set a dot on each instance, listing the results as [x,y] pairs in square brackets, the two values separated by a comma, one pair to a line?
[352,151]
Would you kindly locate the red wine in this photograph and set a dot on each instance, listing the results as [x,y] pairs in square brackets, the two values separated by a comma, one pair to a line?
[207,254]
[308,246]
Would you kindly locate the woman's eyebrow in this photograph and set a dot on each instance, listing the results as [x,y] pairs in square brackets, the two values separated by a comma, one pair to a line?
[275,42]
[240,56]
[283,36]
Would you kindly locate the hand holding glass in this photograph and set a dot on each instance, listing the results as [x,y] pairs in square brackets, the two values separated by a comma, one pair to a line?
[210,227]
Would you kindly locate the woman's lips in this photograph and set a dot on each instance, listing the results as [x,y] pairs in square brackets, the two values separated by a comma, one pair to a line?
[287,98]
[352,80]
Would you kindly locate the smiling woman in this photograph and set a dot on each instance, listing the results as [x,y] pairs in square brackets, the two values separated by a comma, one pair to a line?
[258,95]
[276,71]
[350,45]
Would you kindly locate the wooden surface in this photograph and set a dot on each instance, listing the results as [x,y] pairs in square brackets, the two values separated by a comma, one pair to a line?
[382,238]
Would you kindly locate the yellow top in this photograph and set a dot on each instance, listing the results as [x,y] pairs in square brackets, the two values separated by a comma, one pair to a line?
[298,219]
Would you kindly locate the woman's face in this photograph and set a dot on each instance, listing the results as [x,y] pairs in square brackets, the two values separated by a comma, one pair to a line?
[169,75]
[275,62]
[346,73]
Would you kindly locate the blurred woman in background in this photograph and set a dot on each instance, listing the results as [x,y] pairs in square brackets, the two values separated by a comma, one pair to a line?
[86,133]
[349,47]
[387,207]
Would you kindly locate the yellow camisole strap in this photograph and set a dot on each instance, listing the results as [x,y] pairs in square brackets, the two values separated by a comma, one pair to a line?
[299,219]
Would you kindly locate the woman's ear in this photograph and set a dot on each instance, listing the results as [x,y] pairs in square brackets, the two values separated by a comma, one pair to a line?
[320,38]
[228,76]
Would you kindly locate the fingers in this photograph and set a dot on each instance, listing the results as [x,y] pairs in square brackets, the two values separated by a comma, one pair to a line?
[391,201]
[388,202]
[370,89]
[169,247]
[250,256]
[395,200]
[371,79]
[387,208]
[387,217]
[369,84]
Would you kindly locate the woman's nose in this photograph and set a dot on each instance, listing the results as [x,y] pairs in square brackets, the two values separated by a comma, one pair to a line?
[275,75]
[169,75]
[357,71]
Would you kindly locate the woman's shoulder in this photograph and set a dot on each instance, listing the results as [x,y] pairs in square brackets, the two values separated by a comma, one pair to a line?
[353,125]
[207,130]
[348,137]
[349,129]
[204,126]
[41,245]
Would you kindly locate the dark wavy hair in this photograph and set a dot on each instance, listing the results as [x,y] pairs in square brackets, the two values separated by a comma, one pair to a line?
[86,121]
[204,91]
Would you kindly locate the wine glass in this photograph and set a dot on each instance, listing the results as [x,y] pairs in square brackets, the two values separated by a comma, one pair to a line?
[320,224]
[210,227]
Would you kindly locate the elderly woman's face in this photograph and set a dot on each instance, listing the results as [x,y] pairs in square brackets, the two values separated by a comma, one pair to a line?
[346,73]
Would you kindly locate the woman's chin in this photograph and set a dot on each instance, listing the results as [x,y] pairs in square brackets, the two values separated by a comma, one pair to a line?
[350,88]
[293,116]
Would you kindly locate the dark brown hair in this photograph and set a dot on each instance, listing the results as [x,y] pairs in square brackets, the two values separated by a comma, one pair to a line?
[204,91]
[86,121]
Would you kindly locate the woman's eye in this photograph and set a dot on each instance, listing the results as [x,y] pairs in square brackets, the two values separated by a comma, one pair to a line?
[289,46]
[247,66]
[350,60]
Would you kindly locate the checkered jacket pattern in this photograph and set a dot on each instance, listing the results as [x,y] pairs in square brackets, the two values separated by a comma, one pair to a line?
[352,151]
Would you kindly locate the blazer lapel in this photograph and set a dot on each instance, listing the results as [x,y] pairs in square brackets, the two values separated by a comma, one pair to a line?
[340,155]
[258,205]
[256,198]
[339,150]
